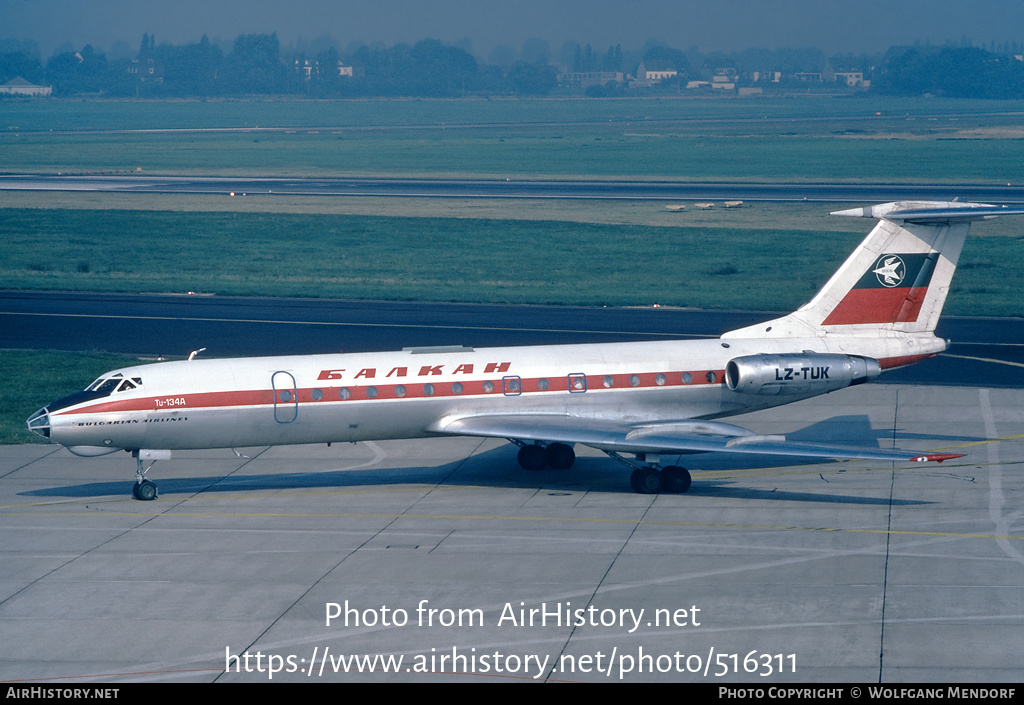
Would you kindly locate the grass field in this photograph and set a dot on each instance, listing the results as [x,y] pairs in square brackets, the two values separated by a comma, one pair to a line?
[709,264]
[34,378]
[812,139]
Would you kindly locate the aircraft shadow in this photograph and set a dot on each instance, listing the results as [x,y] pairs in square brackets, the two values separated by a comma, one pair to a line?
[496,468]
[857,430]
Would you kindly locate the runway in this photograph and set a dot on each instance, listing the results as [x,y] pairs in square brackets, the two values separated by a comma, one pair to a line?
[851,572]
[512,189]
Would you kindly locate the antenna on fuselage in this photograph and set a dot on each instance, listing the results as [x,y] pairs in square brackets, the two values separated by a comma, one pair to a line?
[192,354]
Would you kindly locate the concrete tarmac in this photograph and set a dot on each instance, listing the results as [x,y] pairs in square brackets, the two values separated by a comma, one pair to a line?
[769,571]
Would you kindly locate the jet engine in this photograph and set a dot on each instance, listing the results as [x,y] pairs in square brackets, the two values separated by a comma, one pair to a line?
[804,373]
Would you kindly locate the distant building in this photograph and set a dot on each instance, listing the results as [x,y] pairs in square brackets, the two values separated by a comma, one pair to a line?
[147,69]
[853,79]
[19,86]
[655,70]
[585,79]
[310,68]
[724,80]
[850,78]
[307,68]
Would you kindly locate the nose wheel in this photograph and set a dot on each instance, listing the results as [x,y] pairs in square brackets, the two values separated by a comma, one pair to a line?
[143,489]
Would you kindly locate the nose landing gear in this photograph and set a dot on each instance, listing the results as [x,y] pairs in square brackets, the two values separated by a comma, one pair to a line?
[144,489]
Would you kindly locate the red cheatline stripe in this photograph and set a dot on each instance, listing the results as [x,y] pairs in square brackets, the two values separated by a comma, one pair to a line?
[412,390]
[878,306]
[417,390]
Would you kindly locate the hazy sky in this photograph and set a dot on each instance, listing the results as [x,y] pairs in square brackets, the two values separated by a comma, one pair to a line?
[856,26]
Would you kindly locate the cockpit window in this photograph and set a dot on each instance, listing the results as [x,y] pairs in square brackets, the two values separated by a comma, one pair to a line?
[107,385]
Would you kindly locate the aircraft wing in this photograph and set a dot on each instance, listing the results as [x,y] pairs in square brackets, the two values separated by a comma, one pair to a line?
[663,438]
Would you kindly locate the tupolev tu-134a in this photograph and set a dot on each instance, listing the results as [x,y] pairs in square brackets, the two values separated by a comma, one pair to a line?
[636,402]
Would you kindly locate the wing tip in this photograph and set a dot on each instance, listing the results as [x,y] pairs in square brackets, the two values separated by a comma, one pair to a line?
[936,457]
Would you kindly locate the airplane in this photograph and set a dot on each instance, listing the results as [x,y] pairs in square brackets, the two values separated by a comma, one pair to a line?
[636,402]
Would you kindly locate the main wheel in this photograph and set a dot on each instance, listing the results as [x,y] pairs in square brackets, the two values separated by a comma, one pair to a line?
[144,490]
[533,457]
[560,456]
[646,480]
[677,479]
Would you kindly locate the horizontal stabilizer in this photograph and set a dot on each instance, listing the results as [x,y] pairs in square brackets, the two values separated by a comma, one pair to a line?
[931,211]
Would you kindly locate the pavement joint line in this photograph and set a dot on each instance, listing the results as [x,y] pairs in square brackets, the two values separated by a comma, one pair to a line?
[540,519]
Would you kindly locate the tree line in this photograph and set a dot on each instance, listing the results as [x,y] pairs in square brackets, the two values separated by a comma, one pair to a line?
[256,64]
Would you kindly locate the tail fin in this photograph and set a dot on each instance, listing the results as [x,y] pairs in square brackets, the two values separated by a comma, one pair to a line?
[898,277]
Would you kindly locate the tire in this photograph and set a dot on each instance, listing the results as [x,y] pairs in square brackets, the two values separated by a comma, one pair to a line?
[648,481]
[145,490]
[533,457]
[560,456]
[677,479]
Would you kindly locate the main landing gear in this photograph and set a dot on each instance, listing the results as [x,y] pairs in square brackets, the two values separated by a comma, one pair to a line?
[650,478]
[647,477]
[533,456]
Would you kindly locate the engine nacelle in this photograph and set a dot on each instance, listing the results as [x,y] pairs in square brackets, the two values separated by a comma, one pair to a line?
[804,373]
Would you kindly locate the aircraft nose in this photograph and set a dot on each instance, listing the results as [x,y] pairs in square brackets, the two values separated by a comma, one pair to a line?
[39,423]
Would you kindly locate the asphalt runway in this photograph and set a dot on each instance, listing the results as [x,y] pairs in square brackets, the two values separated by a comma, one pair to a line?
[438,553]
[985,351]
[485,188]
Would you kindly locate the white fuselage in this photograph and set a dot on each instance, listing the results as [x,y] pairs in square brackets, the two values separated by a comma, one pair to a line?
[410,394]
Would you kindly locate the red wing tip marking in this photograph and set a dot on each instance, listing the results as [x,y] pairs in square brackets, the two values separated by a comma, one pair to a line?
[937,457]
